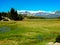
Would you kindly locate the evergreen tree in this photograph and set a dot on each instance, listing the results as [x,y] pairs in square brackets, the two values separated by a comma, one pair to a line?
[13,14]
[0,16]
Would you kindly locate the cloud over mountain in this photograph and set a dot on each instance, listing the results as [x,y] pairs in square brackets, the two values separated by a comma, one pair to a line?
[33,11]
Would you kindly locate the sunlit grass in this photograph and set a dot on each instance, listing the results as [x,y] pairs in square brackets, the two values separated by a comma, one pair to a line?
[30,32]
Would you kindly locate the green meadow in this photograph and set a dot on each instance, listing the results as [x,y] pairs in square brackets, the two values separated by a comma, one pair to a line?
[29,32]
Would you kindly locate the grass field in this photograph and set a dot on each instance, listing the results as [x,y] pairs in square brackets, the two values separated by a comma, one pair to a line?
[29,32]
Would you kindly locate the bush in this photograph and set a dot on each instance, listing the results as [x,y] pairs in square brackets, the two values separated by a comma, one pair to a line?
[58,39]
[35,17]
[20,17]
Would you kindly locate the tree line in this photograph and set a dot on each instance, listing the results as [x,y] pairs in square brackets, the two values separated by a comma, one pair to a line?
[12,14]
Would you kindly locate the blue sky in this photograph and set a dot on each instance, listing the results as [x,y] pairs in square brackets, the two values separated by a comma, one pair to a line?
[46,5]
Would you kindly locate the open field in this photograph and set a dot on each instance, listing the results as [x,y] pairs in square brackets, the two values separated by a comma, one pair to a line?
[29,32]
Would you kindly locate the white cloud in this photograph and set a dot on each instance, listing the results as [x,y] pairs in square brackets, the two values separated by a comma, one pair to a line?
[21,10]
[36,11]
[32,11]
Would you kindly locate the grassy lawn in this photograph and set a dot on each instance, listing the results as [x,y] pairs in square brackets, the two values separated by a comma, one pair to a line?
[29,32]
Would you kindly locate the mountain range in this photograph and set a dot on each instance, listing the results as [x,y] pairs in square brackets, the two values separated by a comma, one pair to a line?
[47,14]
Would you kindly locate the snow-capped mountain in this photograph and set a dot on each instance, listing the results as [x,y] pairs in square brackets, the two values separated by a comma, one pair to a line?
[35,13]
[30,11]
[47,14]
